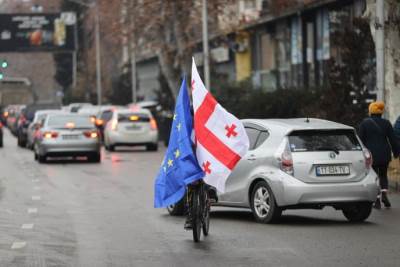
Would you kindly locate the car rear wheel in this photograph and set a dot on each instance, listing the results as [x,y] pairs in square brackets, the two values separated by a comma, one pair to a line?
[96,158]
[1,141]
[152,147]
[263,204]
[358,212]
[42,159]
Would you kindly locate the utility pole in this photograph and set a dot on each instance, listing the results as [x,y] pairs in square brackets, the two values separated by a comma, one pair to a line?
[132,46]
[206,53]
[98,56]
[380,50]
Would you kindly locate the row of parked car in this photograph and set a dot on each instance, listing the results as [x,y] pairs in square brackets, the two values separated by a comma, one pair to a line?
[79,129]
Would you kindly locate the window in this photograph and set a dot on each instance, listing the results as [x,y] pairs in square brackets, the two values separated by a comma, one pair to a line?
[106,115]
[261,138]
[133,117]
[323,140]
[252,134]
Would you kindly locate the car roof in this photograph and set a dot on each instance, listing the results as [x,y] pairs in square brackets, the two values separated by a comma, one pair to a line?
[289,125]
[127,111]
[50,111]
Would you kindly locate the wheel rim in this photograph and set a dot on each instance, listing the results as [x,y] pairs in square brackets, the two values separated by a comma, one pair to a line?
[262,202]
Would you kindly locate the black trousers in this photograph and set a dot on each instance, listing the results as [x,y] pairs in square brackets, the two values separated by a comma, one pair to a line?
[381,171]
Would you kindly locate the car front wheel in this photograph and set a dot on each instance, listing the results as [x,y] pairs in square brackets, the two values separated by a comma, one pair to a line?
[358,212]
[263,204]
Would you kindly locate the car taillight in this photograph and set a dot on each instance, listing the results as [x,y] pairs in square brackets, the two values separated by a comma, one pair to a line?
[153,124]
[1,125]
[50,135]
[114,125]
[93,119]
[90,134]
[368,158]
[287,162]
[99,122]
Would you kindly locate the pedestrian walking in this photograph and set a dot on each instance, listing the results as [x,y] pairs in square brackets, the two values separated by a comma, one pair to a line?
[377,134]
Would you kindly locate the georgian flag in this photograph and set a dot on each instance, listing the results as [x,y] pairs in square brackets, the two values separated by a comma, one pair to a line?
[221,140]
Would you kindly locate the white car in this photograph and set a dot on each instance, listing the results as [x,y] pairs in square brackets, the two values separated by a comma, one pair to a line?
[129,127]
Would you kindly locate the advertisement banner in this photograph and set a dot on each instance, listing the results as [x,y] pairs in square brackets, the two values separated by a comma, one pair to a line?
[37,32]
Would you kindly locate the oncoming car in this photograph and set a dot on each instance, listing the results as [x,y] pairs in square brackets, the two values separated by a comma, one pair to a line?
[67,135]
[300,164]
[131,128]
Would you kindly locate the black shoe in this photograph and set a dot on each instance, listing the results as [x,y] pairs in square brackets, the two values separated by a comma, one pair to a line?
[385,200]
[377,204]
[188,225]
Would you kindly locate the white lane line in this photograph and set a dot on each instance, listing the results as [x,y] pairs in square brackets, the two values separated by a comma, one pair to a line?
[27,226]
[36,198]
[35,180]
[32,210]
[18,245]
[36,188]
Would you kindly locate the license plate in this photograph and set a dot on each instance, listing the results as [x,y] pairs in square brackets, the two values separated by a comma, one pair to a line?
[133,127]
[331,170]
[70,137]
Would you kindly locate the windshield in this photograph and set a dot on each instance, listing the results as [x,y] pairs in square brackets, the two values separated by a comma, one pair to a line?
[65,121]
[323,140]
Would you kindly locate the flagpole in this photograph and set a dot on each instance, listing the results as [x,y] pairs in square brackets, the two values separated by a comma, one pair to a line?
[205,46]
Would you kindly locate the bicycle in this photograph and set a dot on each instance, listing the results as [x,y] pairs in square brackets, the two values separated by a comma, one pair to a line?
[200,205]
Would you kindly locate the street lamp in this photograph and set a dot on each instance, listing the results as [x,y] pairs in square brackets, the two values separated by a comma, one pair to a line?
[97,41]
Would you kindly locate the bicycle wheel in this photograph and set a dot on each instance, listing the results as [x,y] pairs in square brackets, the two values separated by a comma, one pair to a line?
[196,214]
[206,212]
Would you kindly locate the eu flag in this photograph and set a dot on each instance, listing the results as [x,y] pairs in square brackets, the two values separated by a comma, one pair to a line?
[179,167]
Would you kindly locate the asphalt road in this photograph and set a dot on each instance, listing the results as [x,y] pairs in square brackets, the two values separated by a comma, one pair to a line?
[85,214]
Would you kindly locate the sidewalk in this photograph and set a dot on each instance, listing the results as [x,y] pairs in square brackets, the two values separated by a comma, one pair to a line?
[394,175]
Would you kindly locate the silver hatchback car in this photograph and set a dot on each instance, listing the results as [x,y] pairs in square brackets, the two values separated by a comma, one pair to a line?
[67,135]
[300,164]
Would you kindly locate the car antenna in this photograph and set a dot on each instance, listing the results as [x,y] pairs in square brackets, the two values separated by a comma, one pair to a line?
[307,120]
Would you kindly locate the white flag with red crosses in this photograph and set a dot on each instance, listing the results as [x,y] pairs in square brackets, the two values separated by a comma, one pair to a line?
[221,140]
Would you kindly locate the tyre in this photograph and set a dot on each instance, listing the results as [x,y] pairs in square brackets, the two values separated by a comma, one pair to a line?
[206,216]
[358,212]
[35,156]
[196,215]
[42,159]
[177,209]
[263,204]
[96,158]
[1,141]
[152,147]
[111,148]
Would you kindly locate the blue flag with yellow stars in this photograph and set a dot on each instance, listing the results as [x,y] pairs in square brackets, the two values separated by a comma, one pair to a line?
[179,167]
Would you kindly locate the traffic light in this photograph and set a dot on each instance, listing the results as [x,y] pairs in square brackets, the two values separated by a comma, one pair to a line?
[4,64]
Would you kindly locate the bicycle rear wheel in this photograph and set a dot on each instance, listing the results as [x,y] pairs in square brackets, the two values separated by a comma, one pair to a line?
[206,212]
[196,214]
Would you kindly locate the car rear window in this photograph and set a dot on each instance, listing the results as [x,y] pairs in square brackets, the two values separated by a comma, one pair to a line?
[133,117]
[323,140]
[70,122]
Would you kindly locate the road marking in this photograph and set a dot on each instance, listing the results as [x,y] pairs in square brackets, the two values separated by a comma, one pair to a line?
[36,198]
[32,210]
[27,226]
[36,188]
[18,245]
[35,180]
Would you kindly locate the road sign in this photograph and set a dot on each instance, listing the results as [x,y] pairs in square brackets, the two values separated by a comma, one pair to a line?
[37,32]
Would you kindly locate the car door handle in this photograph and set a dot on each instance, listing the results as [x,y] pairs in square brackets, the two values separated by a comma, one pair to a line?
[251,158]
